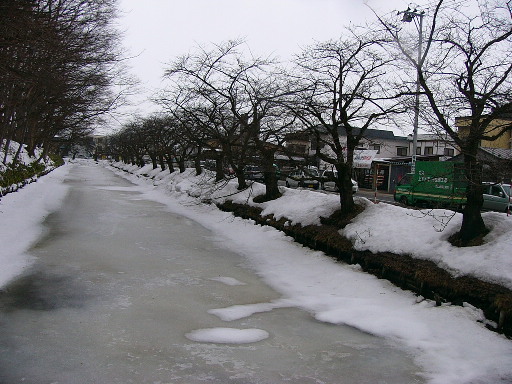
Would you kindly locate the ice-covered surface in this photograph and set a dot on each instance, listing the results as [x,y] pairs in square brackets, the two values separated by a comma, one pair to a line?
[227,280]
[381,228]
[338,293]
[450,343]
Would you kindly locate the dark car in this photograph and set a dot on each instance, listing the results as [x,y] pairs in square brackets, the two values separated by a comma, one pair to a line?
[254,173]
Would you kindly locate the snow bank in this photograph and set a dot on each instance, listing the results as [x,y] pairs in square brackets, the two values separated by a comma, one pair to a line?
[424,234]
[22,158]
[21,215]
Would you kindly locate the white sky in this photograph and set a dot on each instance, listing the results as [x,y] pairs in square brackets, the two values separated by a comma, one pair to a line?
[159,31]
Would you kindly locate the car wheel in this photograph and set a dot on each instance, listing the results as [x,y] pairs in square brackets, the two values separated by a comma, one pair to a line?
[403,200]
[287,184]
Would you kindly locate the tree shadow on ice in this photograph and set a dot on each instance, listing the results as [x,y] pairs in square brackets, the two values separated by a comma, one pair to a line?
[40,291]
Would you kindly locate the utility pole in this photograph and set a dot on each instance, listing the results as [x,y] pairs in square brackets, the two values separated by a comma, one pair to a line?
[408,16]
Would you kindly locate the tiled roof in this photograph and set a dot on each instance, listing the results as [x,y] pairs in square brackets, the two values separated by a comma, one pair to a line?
[499,152]
[368,134]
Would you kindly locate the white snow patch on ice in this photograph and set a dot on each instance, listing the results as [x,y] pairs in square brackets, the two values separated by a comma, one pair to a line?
[227,280]
[236,312]
[228,335]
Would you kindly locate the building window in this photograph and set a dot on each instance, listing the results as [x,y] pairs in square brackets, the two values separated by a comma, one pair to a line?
[376,147]
[401,151]
[450,152]
[418,150]
[297,148]
[429,151]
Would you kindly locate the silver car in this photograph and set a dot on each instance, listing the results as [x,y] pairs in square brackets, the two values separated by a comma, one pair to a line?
[328,181]
[497,197]
[306,178]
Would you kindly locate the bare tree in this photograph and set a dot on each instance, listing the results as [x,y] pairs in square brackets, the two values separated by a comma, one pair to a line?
[58,62]
[343,94]
[230,98]
[464,71]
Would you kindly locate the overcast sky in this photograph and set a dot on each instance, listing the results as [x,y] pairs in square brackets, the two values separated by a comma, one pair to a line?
[158,31]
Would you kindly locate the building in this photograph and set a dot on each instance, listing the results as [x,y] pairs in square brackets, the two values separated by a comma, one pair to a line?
[385,143]
[504,121]
[433,145]
[392,158]
[496,163]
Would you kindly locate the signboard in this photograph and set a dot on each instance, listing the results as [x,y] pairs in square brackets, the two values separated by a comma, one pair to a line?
[363,158]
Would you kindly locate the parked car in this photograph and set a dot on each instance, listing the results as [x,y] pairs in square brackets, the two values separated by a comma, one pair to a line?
[306,178]
[497,197]
[253,172]
[327,180]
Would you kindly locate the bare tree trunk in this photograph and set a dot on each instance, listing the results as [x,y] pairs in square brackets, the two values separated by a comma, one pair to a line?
[197,165]
[219,168]
[17,155]
[270,177]
[168,159]
[6,147]
[345,181]
[162,162]
[473,225]
[154,161]
[181,164]
[240,176]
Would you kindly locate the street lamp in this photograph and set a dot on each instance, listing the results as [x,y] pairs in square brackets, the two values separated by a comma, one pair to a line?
[407,16]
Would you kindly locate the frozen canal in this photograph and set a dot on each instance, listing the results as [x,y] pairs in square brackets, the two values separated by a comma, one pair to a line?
[120,293]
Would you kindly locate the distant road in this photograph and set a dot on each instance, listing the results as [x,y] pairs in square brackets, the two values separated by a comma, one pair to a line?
[380,196]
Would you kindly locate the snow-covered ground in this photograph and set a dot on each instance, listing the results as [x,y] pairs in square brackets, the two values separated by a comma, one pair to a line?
[449,342]
[22,158]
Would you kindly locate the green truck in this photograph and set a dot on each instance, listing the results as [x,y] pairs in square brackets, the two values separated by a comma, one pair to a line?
[433,184]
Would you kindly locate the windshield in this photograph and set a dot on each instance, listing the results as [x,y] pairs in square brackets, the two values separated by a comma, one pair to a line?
[406,179]
[506,187]
[311,172]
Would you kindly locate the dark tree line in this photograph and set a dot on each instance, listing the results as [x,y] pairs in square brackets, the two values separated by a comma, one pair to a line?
[58,62]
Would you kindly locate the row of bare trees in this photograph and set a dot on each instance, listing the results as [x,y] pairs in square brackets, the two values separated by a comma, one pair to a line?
[162,139]
[58,62]
[240,107]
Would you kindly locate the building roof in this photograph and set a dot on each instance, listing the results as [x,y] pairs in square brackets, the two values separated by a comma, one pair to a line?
[501,153]
[431,137]
[372,133]
[368,134]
